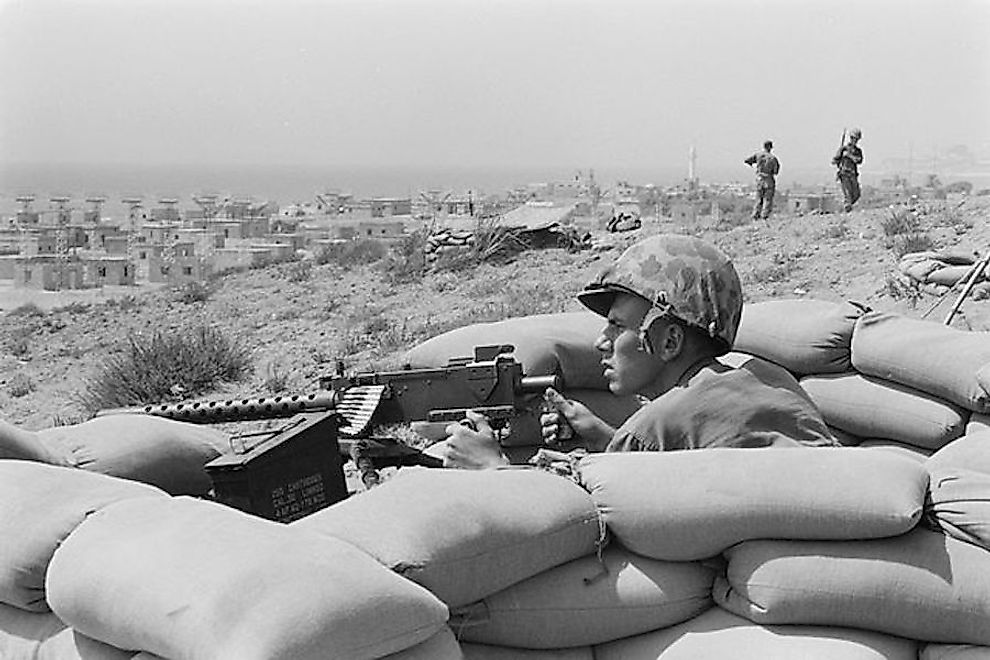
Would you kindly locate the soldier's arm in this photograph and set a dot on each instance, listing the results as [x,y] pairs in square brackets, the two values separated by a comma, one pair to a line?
[751,160]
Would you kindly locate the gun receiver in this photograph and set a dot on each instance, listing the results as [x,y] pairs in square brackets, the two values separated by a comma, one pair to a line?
[492,383]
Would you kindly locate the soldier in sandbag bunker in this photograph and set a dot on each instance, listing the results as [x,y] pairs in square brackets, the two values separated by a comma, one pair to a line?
[672,306]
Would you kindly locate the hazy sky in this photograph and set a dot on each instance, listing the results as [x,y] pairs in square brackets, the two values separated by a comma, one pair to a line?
[446,83]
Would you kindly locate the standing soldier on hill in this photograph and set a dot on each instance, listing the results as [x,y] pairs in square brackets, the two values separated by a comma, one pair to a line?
[767,168]
[848,159]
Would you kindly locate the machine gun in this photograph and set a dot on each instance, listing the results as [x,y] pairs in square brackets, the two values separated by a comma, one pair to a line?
[299,467]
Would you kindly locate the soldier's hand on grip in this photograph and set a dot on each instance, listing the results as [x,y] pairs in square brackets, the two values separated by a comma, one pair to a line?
[471,444]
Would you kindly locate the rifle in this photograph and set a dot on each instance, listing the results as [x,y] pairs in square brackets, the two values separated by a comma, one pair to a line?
[338,422]
[838,154]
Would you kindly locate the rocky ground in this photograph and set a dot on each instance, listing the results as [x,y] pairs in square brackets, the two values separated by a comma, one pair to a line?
[298,319]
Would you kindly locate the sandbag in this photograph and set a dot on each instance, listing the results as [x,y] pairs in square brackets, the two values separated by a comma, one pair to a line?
[40,505]
[803,336]
[902,448]
[545,344]
[154,450]
[949,275]
[920,270]
[959,503]
[43,636]
[925,355]
[970,452]
[689,505]
[491,652]
[717,634]
[441,646]
[588,601]
[954,652]
[186,578]
[923,585]
[873,408]
[978,422]
[19,443]
[466,534]
[845,438]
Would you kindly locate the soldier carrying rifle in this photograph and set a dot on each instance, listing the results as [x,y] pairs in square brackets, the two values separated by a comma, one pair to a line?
[848,159]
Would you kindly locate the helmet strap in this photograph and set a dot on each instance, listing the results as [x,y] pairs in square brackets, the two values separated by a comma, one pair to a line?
[658,309]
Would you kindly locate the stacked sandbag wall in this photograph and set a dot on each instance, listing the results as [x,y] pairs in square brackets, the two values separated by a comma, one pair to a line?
[841,553]
[94,567]
[40,507]
[915,387]
[937,273]
[907,416]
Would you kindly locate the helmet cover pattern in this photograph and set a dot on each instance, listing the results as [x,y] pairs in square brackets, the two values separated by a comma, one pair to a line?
[680,276]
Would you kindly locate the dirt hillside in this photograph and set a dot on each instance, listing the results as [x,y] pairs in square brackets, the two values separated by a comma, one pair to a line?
[299,319]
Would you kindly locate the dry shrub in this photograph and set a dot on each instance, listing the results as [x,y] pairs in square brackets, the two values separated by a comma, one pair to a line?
[299,271]
[124,303]
[407,258]
[167,366]
[20,385]
[914,242]
[899,222]
[193,292]
[350,254]
[26,310]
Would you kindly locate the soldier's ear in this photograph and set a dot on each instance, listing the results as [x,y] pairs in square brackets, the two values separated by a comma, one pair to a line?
[667,340]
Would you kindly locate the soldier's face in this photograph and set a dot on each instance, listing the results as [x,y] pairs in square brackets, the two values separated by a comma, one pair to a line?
[628,368]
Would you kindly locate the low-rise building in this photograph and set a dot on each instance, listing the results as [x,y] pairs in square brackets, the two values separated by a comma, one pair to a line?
[112,271]
[47,273]
[386,207]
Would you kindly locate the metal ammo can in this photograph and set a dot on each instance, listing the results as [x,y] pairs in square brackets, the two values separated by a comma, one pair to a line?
[293,472]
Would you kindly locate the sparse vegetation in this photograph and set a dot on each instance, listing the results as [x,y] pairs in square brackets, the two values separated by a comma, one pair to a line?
[780,267]
[75,307]
[276,380]
[407,258]
[60,419]
[124,303]
[900,289]
[351,254]
[167,366]
[299,271]
[26,310]
[836,230]
[915,242]
[20,385]
[899,222]
[194,292]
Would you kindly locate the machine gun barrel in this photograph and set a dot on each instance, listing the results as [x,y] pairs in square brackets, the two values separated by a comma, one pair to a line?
[234,410]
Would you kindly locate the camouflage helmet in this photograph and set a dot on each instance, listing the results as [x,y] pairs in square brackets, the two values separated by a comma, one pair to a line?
[682,277]
[856,133]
